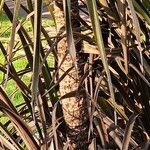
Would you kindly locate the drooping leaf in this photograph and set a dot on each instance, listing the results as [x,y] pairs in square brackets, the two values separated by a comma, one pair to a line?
[92,7]
[136,27]
[10,137]
[128,131]
[21,127]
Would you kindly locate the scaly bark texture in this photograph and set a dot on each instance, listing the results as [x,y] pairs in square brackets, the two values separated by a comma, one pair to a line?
[75,108]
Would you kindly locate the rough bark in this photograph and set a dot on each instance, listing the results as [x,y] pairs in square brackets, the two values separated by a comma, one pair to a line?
[75,108]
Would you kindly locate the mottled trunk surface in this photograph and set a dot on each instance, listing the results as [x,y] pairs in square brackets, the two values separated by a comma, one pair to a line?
[75,108]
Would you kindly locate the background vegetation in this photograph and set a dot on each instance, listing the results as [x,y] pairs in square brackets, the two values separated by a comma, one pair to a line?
[115,38]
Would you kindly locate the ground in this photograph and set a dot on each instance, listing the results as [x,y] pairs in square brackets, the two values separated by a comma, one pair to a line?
[10,4]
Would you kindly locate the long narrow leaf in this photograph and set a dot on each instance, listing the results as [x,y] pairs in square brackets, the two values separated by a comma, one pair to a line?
[70,40]
[50,9]
[13,32]
[136,28]
[128,130]
[10,137]
[145,14]
[6,144]
[37,46]
[54,125]
[98,36]
[21,127]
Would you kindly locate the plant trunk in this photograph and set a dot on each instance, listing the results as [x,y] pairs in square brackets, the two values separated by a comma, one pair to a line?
[74,108]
